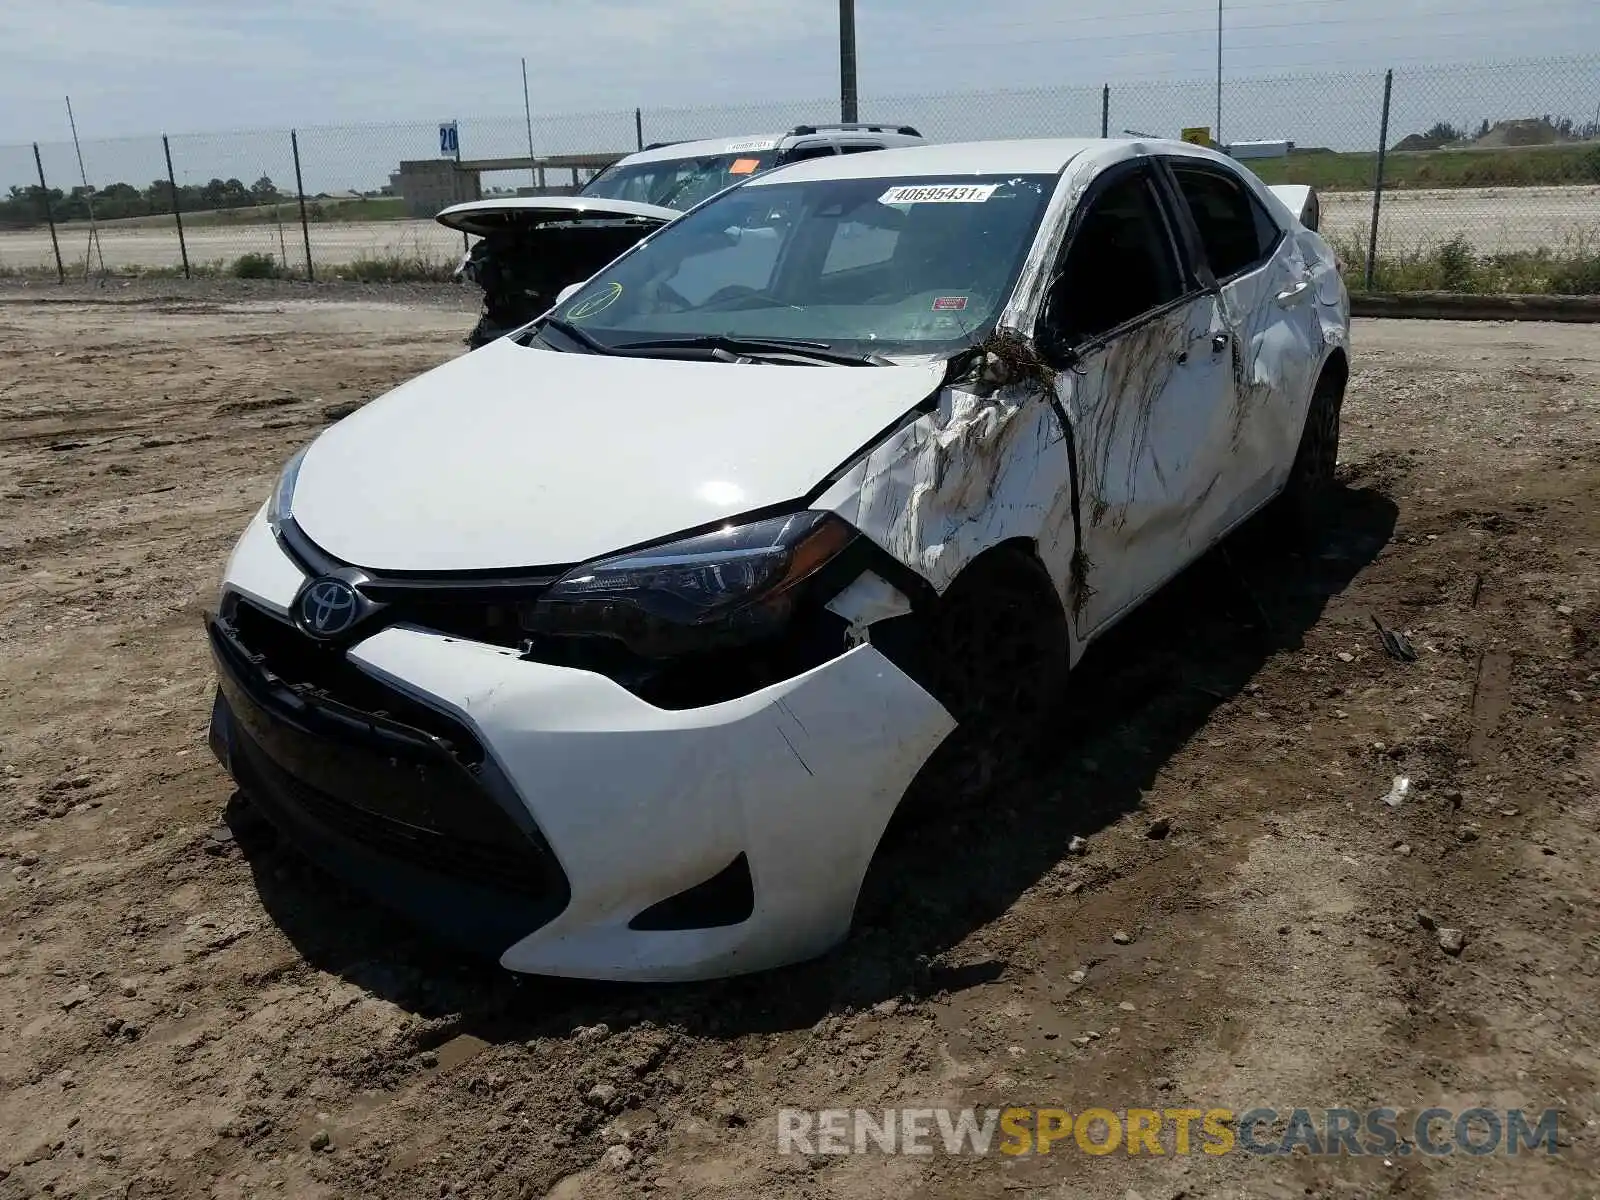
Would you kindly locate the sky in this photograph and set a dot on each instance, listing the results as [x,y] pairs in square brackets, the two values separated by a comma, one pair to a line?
[135,68]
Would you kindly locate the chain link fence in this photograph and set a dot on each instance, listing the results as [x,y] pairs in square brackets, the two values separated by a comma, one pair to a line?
[1467,178]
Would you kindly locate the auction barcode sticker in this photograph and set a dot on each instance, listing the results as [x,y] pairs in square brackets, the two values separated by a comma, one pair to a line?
[940,193]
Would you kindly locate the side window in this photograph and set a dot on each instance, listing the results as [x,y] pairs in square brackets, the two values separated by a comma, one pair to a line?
[1235,229]
[857,147]
[1121,262]
[801,153]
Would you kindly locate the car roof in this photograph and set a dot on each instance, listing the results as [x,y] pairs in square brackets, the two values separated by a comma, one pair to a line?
[1019,156]
[756,143]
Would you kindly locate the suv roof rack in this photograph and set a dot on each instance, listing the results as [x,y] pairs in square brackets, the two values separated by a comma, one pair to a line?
[861,126]
[659,145]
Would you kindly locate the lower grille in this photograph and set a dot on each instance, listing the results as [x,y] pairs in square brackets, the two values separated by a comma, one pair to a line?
[345,752]
[512,865]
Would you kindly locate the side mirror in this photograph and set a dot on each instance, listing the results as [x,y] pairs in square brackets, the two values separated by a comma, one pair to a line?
[567,293]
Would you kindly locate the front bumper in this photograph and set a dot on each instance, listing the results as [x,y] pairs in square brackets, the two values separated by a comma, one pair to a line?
[598,805]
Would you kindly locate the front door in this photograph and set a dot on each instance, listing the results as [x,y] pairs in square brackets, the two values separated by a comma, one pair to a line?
[1149,393]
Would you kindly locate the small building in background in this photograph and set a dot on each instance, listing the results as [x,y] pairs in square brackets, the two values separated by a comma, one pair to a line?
[428,185]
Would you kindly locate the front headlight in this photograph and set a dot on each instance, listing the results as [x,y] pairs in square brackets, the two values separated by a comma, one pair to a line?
[278,508]
[732,586]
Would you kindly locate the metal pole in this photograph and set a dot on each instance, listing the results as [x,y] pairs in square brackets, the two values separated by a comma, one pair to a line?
[638,127]
[88,198]
[300,191]
[848,109]
[1377,183]
[477,192]
[527,115]
[49,217]
[1105,110]
[177,209]
[1218,139]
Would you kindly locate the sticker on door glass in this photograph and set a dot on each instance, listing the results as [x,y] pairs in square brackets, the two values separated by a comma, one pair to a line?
[744,166]
[600,301]
[949,303]
[942,193]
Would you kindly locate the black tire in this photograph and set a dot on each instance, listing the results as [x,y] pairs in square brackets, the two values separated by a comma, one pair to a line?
[1302,507]
[996,656]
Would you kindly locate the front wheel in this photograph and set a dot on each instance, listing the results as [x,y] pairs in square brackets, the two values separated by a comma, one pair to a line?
[995,655]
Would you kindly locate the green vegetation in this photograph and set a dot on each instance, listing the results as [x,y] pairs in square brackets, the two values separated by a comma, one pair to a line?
[256,266]
[25,205]
[220,202]
[409,266]
[1518,166]
[396,266]
[376,208]
[1454,266]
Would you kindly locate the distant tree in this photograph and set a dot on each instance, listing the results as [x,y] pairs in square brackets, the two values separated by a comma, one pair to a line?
[264,191]
[1442,133]
[1483,130]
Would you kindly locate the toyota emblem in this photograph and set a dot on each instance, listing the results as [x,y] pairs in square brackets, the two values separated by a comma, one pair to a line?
[327,608]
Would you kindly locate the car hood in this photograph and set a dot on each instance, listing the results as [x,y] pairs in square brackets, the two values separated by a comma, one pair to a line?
[483,217]
[512,456]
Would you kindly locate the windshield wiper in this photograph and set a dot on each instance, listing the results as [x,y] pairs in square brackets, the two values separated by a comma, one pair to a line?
[794,347]
[583,339]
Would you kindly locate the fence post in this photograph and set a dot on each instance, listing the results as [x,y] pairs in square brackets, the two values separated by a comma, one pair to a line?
[1105,110]
[638,127]
[300,191]
[49,217]
[477,192]
[1377,182]
[177,209]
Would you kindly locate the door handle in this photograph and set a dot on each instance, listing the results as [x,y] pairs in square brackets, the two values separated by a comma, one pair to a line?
[1291,294]
[1219,343]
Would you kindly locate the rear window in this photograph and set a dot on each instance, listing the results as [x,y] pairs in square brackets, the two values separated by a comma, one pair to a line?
[1235,229]
[679,183]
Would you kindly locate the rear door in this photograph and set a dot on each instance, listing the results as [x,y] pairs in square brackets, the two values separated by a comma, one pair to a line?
[1265,285]
[1147,389]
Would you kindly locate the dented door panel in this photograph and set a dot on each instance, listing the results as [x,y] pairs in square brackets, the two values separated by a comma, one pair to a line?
[1276,356]
[1151,409]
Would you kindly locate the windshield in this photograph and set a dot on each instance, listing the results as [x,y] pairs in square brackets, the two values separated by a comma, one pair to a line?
[869,266]
[679,183]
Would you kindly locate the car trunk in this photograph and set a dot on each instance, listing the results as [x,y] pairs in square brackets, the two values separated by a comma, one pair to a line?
[529,248]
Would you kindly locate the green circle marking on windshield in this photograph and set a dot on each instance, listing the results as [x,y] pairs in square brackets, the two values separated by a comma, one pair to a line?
[596,303]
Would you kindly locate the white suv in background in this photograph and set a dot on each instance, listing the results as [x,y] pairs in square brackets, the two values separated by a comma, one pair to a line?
[532,246]
[679,175]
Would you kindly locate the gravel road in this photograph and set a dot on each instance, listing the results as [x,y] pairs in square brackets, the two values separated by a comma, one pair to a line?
[1491,218]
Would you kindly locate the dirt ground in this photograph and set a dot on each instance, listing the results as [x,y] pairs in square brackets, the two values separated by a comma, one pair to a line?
[186,1010]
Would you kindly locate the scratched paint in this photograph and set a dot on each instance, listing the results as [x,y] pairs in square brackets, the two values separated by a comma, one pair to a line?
[1183,426]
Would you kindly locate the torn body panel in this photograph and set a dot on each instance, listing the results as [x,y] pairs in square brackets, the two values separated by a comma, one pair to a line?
[639,803]
[974,472]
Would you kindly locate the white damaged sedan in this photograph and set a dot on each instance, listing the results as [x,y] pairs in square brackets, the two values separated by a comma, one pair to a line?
[611,648]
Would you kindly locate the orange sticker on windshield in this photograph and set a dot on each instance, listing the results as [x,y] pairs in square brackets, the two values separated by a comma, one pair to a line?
[744,166]
[949,303]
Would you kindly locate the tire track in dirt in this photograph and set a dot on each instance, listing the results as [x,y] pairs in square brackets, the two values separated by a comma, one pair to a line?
[204,1005]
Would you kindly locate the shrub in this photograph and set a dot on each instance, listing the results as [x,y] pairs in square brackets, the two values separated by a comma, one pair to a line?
[1457,265]
[397,267]
[255,266]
